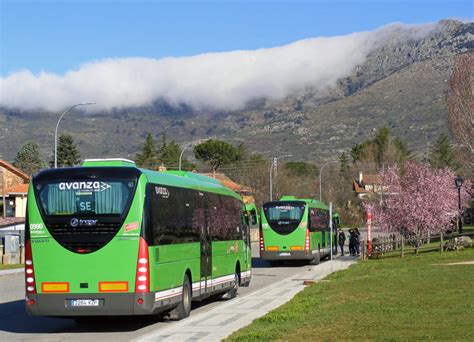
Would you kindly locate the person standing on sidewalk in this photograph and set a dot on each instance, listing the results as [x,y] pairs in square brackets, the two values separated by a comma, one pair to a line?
[357,241]
[342,241]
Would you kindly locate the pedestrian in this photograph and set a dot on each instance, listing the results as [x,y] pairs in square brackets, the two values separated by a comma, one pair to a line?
[357,241]
[341,240]
[351,242]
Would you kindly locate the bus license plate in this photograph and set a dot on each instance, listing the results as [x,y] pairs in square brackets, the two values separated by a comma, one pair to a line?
[85,302]
[284,254]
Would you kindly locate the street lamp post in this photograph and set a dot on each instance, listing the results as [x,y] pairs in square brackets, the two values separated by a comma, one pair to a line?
[181,156]
[320,175]
[272,167]
[56,131]
[185,146]
[458,183]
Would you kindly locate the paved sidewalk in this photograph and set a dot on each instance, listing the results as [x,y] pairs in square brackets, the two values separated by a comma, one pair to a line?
[220,322]
[12,271]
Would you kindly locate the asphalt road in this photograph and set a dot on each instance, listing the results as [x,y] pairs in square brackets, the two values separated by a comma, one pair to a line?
[15,324]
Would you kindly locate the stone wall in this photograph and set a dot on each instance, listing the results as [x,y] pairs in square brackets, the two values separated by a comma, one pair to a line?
[12,258]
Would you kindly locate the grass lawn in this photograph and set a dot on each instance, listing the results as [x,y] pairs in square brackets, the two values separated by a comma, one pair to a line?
[7,267]
[414,298]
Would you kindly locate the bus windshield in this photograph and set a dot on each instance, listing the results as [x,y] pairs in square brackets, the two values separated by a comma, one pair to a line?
[84,208]
[80,195]
[76,197]
[283,217]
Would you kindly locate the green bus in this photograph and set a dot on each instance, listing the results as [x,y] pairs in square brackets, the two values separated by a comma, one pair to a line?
[295,229]
[109,238]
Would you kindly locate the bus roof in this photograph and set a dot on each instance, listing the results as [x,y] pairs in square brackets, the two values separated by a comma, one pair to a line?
[108,162]
[310,201]
[189,180]
[171,178]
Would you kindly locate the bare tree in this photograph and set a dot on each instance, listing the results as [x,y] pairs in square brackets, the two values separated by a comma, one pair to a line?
[461,106]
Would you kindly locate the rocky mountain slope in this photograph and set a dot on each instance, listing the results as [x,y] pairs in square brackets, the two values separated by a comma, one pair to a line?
[401,85]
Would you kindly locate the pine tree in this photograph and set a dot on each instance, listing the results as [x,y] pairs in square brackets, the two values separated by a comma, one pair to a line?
[29,158]
[148,154]
[442,154]
[168,151]
[216,153]
[344,169]
[381,140]
[68,154]
[383,149]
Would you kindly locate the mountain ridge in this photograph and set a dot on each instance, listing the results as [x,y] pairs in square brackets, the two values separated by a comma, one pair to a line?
[400,85]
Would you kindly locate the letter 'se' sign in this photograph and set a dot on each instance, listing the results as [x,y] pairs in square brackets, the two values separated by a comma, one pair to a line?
[85,206]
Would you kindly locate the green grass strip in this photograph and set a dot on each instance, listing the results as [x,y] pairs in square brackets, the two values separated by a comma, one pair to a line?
[393,299]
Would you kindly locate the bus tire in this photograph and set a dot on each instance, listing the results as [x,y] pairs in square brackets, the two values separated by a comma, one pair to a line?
[316,260]
[232,293]
[184,307]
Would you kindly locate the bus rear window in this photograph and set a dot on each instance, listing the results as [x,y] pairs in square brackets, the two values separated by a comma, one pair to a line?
[285,211]
[284,217]
[84,208]
[77,196]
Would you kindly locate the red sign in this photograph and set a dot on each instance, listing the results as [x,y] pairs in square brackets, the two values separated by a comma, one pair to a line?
[131,226]
[369,232]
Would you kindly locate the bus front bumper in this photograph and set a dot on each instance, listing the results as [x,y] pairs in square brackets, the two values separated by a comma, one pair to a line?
[97,304]
[288,255]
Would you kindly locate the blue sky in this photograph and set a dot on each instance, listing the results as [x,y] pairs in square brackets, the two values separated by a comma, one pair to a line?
[57,36]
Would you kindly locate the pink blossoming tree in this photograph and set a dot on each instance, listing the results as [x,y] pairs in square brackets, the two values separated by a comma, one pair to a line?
[419,200]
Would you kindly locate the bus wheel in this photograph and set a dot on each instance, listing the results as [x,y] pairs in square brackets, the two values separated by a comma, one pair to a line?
[232,293]
[184,308]
[316,260]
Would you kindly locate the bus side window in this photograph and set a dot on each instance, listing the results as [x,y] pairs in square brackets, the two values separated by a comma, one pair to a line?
[245,218]
[253,216]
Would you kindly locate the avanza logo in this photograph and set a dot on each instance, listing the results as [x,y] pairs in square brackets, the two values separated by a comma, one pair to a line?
[164,192]
[90,186]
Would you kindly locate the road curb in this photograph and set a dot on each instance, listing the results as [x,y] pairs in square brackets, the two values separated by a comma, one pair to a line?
[223,320]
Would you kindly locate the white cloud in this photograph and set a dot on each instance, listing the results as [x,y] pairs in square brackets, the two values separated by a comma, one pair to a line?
[225,80]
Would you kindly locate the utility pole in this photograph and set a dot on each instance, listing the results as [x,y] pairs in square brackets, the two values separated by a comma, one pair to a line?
[330,230]
[4,213]
[274,166]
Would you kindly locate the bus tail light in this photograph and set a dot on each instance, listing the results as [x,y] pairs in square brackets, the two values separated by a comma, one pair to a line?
[142,279]
[306,241]
[30,282]
[262,244]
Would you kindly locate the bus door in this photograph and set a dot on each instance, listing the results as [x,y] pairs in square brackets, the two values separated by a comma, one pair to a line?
[206,245]
[246,219]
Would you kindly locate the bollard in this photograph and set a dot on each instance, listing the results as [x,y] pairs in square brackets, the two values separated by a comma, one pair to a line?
[441,242]
[363,249]
[403,246]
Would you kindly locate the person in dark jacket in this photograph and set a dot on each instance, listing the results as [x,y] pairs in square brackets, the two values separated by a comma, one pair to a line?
[357,241]
[342,241]
[351,242]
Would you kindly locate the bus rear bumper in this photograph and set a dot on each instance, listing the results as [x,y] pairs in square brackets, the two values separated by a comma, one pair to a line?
[288,255]
[109,304]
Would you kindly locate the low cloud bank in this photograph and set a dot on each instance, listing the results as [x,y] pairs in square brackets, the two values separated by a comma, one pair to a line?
[221,81]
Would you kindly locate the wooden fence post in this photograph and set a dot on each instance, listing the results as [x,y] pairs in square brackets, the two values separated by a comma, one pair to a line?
[363,249]
[403,246]
[441,242]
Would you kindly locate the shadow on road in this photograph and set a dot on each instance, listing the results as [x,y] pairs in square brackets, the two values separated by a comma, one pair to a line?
[14,319]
